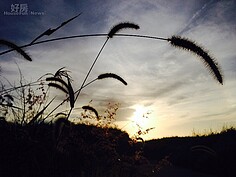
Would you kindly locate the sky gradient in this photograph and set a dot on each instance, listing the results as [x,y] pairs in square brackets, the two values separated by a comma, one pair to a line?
[172,84]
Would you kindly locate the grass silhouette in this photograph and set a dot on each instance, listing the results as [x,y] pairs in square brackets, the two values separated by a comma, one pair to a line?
[209,62]
[121,26]
[112,75]
[34,146]
[16,48]
[91,109]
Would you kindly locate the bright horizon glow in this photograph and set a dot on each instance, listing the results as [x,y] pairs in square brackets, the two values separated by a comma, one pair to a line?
[139,116]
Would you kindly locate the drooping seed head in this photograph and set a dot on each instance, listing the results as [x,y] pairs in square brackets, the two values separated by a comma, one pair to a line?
[58,87]
[209,61]
[56,79]
[121,26]
[91,109]
[15,47]
[112,75]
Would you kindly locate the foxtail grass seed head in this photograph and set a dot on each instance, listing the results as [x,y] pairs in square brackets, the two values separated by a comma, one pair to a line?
[111,75]
[121,26]
[58,87]
[56,79]
[62,73]
[91,109]
[15,47]
[209,62]
[67,88]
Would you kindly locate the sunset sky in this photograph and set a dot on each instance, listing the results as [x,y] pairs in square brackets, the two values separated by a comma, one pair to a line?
[172,85]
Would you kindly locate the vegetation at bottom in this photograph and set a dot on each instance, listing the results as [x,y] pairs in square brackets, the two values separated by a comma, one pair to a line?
[213,154]
[92,151]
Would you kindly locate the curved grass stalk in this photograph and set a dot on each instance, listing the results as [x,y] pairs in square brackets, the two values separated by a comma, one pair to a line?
[84,36]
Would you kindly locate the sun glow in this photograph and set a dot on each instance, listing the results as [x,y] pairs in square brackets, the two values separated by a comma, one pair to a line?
[140,116]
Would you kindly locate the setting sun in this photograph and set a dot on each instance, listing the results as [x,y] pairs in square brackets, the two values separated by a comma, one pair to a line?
[140,116]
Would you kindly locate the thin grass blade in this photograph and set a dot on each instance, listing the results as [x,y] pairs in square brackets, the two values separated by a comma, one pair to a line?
[40,113]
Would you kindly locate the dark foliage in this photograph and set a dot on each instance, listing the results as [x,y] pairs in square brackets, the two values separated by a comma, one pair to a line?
[221,162]
[65,149]
[62,149]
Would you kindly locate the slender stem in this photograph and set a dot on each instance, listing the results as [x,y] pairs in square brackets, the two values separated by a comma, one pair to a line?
[87,84]
[86,35]
[91,68]
[5,91]
[141,36]
[86,77]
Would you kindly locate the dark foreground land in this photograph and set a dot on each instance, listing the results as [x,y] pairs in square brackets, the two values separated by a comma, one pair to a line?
[67,150]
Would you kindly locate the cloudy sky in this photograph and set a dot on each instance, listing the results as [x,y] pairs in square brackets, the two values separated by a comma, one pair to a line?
[172,85]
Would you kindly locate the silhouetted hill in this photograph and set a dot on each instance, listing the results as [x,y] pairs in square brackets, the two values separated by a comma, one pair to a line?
[60,149]
[213,154]
[64,149]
